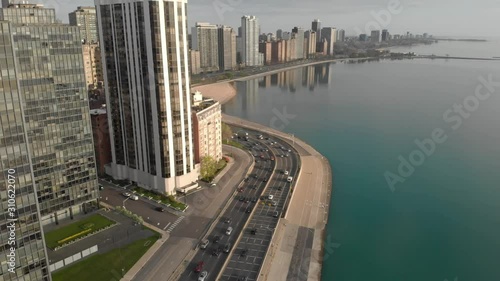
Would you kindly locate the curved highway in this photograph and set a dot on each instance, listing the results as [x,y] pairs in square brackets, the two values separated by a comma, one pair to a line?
[251,216]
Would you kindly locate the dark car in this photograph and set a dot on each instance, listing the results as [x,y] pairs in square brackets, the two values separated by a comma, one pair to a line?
[216,252]
[247,200]
[248,210]
[199,267]
[227,220]
[160,209]
[264,180]
[254,200]
[253,231]
[242,198]
[227,248]
[216,239]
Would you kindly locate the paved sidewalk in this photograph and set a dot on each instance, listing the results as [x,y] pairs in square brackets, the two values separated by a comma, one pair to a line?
[297,247]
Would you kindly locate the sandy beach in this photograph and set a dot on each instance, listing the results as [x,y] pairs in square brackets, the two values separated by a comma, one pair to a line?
[221,91]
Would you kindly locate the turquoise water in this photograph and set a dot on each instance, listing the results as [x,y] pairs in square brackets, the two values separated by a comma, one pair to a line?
[443,222]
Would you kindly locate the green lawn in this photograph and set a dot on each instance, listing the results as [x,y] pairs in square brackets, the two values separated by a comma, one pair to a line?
[108,266]
[93,223]
[235,144]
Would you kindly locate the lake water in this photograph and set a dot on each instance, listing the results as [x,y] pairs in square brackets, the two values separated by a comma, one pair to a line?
[442,222]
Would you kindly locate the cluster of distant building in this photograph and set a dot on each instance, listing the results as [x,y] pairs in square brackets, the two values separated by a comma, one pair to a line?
[221,48]
[378,36]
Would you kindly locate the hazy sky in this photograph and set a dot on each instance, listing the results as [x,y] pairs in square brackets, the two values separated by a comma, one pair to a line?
[438,17]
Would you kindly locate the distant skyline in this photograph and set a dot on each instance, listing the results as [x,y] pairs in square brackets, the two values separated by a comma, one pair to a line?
[436,17]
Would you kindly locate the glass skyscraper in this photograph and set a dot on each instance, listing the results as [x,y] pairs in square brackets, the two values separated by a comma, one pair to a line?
[146,73]
[45,138]
[52,84]
[30,257]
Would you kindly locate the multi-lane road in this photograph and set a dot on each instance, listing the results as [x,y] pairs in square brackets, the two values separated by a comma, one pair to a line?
[251,214]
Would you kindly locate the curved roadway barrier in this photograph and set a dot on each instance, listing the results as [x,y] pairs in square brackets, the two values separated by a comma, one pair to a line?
[293,224]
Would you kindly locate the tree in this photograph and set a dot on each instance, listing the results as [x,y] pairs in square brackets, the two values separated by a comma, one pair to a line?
[208,168]
[227,133]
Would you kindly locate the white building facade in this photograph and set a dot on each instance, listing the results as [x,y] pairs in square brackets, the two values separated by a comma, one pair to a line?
[146,72]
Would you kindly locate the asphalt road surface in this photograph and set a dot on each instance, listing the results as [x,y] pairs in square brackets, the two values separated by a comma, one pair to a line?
[262,217]
[248,255]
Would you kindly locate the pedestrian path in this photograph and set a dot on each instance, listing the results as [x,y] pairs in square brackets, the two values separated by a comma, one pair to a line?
[176,222]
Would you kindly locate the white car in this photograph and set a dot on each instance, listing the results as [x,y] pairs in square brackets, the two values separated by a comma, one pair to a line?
[203,276]
[289,179]
[126,194]
[134,197]
[286,173]
[270,197]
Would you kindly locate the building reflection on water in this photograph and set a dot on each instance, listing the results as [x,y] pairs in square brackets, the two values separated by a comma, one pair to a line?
[302,79]
[296,79]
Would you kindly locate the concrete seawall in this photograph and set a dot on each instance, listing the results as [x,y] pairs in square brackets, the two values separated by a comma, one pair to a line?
[298,245]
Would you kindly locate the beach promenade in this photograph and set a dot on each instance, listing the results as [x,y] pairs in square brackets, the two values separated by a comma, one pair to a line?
[298,246]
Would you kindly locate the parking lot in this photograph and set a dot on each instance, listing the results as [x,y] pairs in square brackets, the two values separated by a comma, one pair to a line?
[145,208]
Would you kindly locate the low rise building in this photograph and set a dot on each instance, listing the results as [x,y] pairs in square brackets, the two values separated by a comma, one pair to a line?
[207,128]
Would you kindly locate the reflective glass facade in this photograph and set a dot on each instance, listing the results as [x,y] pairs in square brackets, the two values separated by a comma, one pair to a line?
[31,258]
[52,84]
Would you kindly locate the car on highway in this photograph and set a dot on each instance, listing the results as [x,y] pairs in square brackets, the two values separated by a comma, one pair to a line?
[227,220]
[199,266]
[216,239]
[248,210]
[227,248]
[272,158]
[204,244]
[264,180]
[203,276]
[160,209]
[289,179]
[253,231]
[229,230]
[216,252]
[276,214]
[286,173]
[254,200]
